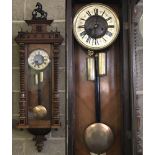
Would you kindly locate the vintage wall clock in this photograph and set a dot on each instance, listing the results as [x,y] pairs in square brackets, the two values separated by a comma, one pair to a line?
[39,97]
[99,32]
[96,26]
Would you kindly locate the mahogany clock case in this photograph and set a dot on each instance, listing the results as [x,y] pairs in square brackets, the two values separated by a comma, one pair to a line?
[28,42]
[116,98]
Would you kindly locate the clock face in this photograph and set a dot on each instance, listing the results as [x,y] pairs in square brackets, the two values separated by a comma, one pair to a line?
[38,59]
[95,26]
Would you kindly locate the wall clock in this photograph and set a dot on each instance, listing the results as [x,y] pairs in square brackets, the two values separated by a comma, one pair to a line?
[39,97]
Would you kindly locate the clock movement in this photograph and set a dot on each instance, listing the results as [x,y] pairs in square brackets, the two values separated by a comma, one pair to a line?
[39,97]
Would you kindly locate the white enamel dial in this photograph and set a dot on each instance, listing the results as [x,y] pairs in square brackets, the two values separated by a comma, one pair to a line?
[38,59]
[96,26]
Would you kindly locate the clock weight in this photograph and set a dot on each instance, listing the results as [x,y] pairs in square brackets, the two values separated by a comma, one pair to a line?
[102,61]
[36,79]
[91,65]
[41,76]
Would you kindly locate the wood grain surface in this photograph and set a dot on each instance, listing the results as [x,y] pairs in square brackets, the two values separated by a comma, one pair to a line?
[85,99]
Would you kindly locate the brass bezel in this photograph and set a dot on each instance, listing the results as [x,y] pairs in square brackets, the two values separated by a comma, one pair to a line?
[81,10]
[42,68]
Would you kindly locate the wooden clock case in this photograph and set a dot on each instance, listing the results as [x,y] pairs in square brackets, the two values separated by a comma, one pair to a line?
[116,87]
[39,38]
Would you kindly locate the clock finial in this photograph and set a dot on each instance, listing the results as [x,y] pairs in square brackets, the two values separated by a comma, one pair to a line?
[38,13]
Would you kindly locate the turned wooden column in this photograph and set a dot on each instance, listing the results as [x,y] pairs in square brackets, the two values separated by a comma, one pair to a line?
[55,93]
[23,95]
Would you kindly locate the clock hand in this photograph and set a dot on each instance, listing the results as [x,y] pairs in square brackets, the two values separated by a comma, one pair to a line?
[95,26]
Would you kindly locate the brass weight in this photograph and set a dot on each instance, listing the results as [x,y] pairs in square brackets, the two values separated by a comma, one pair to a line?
[90,68]
[91,65]
[41,74]
[102,64]
[36,79]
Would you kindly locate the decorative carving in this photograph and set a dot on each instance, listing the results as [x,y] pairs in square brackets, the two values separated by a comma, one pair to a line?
[138,84]
[39,139]
[39,28]
[38,13]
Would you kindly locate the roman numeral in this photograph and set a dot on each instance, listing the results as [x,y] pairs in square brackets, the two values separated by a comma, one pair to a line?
[96,11]
[82,34]
[111,26]
[104,39]
[81,26]
[103,13]
[88,13]
[82,19]
[108,18]
[96,42]
[88,39]
[109,33]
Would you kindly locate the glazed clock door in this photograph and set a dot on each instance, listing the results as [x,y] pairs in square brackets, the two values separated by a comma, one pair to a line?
[39,84]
